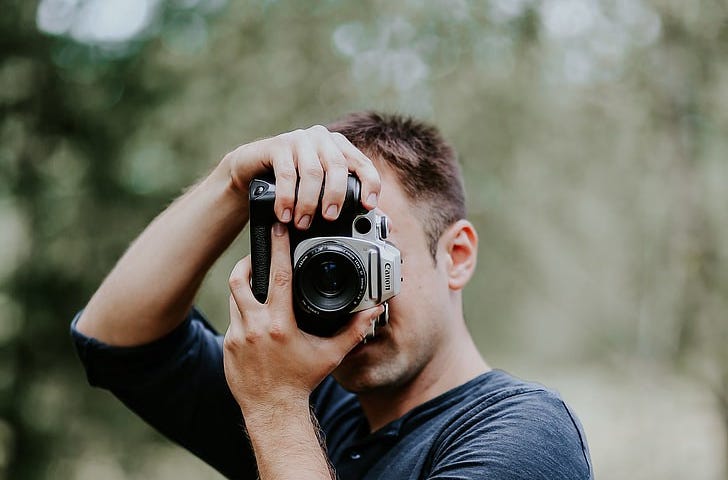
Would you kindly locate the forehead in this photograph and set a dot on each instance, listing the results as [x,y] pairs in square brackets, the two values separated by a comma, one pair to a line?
[392,197]
[406,217]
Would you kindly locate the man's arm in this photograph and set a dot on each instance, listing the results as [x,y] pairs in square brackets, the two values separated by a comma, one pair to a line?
[272,367]
[151,288]
[286,444]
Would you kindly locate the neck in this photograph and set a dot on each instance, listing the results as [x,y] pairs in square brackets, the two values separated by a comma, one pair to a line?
[455,364]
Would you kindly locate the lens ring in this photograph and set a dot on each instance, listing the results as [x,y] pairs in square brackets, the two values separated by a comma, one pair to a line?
[329,280]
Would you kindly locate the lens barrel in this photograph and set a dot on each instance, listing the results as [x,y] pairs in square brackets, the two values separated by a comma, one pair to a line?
[329,280]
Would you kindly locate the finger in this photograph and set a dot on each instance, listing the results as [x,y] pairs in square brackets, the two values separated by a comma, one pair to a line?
[280,290]
[336,170]
[241,296]
[311,175]
[240,284]
[236,319]
[363,168]
[284,169]
[356,330]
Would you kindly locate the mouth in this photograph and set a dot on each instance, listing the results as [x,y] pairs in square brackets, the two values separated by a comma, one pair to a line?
[375,335]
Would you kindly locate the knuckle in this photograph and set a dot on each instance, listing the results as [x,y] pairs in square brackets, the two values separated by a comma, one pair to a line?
[237,283]
[371,176]
[314,172]
[319,129]
[336,187]
[231,343]
[229,157]
[281,278]
[339,136]
[296,137]
[283,200]
[286,174]
[334,191]
[252,336]
[280,151]
[277,331]
[366,163]
[285,194]
[281,142]
[359,163]
[337,161]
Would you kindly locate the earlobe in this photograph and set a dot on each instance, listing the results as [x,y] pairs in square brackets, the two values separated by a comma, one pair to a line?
[462,250]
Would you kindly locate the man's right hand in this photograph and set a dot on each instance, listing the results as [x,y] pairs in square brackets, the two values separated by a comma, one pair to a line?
[308,158]
[151,288]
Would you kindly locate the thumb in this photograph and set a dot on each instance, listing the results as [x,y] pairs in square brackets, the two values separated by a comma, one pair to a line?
[356,331]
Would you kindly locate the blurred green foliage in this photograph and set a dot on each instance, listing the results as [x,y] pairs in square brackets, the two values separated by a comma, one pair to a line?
[593,138]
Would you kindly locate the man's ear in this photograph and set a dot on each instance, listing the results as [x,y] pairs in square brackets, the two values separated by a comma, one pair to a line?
[460,241]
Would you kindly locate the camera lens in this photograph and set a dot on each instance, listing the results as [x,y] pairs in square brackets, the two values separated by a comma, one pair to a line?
[329,279]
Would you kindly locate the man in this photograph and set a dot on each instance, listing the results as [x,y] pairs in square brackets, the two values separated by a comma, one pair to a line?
[416,401]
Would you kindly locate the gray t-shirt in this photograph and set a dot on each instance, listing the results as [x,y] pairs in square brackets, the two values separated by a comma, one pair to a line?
[492,427]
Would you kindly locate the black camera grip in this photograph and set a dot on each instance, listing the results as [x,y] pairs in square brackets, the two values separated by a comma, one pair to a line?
[260,255]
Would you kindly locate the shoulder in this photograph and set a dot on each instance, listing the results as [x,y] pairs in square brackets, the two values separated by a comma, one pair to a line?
[514,430]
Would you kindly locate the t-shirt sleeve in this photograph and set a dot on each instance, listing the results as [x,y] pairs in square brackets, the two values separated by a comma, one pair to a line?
[533,437]
[177,385]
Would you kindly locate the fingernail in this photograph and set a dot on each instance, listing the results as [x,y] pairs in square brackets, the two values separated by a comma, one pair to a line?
[305,221]
[372,199]
[331,211]
[286,217]
[278,229]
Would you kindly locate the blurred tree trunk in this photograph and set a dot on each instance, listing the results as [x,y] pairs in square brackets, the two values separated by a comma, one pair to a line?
[684,108]
[46,294]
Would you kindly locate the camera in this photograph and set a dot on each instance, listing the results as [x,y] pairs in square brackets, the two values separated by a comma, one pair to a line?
[339,267]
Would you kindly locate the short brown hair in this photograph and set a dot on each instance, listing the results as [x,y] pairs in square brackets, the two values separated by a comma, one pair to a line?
[425,164]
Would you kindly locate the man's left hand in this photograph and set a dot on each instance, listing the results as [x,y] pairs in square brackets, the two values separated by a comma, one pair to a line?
[268,361]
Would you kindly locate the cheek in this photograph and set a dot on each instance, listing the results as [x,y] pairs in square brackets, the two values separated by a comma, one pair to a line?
[421,294]
[421,289]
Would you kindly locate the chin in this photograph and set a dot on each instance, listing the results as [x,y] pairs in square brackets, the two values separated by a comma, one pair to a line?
[358,376]
[359,382]
[355,385]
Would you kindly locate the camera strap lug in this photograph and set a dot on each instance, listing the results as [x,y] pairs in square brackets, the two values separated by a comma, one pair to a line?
[380,321]
[383,319]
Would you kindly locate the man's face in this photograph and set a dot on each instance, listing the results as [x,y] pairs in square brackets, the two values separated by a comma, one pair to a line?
[417,315]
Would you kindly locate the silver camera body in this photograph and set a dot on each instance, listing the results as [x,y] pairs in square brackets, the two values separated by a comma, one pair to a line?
[340,266]
[373,262]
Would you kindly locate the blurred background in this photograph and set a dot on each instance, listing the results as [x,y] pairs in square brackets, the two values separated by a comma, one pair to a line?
[593,136]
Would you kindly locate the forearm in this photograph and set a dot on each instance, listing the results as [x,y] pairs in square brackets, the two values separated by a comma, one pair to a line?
[152,286]
[286,443]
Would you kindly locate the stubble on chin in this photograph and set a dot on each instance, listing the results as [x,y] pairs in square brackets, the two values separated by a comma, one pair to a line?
[359,377]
